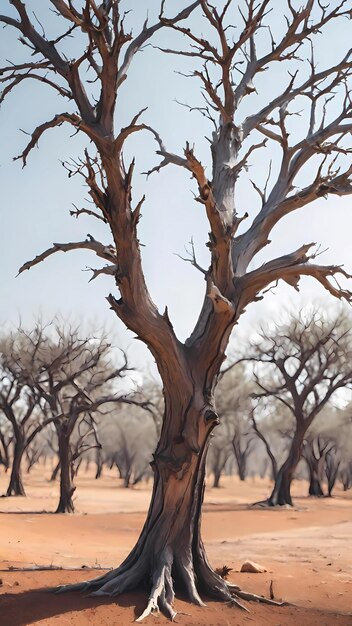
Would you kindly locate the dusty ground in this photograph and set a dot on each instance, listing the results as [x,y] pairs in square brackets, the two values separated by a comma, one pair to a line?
[307,552]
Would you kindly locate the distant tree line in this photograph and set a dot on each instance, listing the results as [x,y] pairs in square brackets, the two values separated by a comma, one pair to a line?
[285,408]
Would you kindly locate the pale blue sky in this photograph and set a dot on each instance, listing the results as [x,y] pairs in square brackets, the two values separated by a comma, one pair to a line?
[35,201]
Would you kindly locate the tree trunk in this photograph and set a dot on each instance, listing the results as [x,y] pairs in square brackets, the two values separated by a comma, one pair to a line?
[272,460]
[99,463]
[99,471]
[332,465]
[241,467]
[315,488]
[15,487]
[281,493]
[170,549]
[4,456]
[66,487]
[332,482]
[127,478]
[315,467]
[267,448]
[217,476]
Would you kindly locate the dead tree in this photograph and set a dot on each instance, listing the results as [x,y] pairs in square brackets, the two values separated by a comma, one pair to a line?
[99,463]
[227,64]
[233,405]
[301,364]
[242,445]
[6,439]
[259,432]
[75,381]
[127,435]
[219,454]
[51,441]
[332,466]
[19,398]
[346,475]
[34,454]
[85,440]
[125,458]
[314,452]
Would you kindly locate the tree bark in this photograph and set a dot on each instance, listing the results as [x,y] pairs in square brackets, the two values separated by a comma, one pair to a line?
[15,487]
[240,455]
[66,487]
[170,549]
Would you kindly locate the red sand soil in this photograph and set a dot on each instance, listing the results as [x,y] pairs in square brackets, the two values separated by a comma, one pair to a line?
[306,550]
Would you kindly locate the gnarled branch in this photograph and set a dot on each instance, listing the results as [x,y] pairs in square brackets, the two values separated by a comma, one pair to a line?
[105,252]
[290,268]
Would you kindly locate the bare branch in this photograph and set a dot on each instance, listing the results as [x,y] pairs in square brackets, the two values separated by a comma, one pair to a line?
[105,252]
[77,212]
[146,34]
[109,270]
[290,268]
[75,120]
[192,258]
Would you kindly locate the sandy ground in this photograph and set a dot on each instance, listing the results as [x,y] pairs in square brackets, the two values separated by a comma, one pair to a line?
[306,550]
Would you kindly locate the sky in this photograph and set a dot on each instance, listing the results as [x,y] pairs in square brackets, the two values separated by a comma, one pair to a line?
[36,200]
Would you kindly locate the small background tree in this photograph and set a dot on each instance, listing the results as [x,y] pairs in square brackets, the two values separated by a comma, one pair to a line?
[306,360]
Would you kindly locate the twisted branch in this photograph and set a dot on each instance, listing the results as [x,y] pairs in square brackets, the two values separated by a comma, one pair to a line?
[104,252]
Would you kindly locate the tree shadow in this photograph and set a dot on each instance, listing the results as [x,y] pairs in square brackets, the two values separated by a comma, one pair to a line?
[33,606]
[23,609]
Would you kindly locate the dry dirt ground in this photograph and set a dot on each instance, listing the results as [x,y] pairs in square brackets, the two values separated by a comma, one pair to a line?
[307,552]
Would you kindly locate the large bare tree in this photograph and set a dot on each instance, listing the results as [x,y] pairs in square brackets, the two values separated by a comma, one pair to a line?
[302,364]
[227,65]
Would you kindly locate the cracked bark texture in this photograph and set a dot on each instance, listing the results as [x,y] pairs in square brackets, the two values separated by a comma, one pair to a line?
[189,371]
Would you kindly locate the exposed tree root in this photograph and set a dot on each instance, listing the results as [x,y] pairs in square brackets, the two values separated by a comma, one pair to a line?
[165,568]
[252,597]
[162,590]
